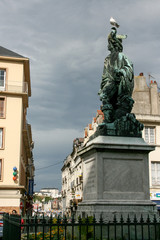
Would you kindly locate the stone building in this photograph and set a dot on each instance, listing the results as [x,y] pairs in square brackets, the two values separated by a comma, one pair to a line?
[16,144]
[147,111]
[49,192]
[72,179]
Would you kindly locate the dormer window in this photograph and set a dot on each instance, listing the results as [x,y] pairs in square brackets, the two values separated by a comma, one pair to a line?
[2,79]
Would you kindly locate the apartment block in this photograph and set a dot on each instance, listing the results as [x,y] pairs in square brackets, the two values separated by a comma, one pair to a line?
[147,111]
[72,179]
[16,144]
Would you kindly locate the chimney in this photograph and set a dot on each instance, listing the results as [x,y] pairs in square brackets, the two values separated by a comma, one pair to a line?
[141,74]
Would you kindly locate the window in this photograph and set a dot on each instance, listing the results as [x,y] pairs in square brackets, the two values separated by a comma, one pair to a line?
[2,79]
[0,169]
[2,107]
[81,178]
[72,184]
[1,137]
[77,181]
[149,134]
[155,171]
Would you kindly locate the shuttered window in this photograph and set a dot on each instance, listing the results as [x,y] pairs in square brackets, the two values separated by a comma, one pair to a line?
[2,107]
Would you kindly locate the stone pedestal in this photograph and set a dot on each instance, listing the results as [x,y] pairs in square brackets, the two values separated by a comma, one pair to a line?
[116,178]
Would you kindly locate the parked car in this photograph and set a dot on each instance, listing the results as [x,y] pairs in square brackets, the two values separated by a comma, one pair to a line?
[1,224]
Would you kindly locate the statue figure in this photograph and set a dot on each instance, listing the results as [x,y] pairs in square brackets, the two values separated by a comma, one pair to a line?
[116,91]
[117,80]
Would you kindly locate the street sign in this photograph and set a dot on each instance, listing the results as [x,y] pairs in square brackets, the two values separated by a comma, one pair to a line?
[31,185]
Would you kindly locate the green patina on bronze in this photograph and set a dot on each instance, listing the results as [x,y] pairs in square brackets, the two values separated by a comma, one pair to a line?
[116,92]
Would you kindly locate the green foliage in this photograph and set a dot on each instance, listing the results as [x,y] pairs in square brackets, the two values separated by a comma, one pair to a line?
[41,199]
[37,198]
[60,234]
[84,228]
[47,199]
[54,233]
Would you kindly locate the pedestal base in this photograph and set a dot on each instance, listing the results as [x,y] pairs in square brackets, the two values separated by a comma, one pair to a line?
[116,178]
[109,209]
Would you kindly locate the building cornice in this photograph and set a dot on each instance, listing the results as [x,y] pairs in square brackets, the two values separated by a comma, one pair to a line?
[152,119]
[12,187]
[23,95]
[16,59]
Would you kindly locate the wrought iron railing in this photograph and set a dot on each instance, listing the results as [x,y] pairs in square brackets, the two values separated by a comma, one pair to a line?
[83,229]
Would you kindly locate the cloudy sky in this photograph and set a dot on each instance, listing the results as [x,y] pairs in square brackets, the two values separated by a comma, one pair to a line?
[66,42]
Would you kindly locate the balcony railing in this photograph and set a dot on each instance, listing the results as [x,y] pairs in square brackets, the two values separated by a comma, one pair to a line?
[14,87]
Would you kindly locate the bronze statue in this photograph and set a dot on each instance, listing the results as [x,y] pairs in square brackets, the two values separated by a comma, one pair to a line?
[117,80]
[116,91]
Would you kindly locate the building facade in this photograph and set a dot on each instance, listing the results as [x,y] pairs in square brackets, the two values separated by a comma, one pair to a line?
[16,144]
[147,111]
[72,179]
[49,192]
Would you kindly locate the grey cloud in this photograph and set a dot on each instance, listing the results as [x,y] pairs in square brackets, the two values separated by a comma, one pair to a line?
[66,42]
[52,146]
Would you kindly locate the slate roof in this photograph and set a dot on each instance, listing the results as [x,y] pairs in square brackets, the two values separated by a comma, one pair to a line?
[8,53]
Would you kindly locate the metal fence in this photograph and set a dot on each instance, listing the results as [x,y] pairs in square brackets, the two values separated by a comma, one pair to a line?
[11,227]
[41,228]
